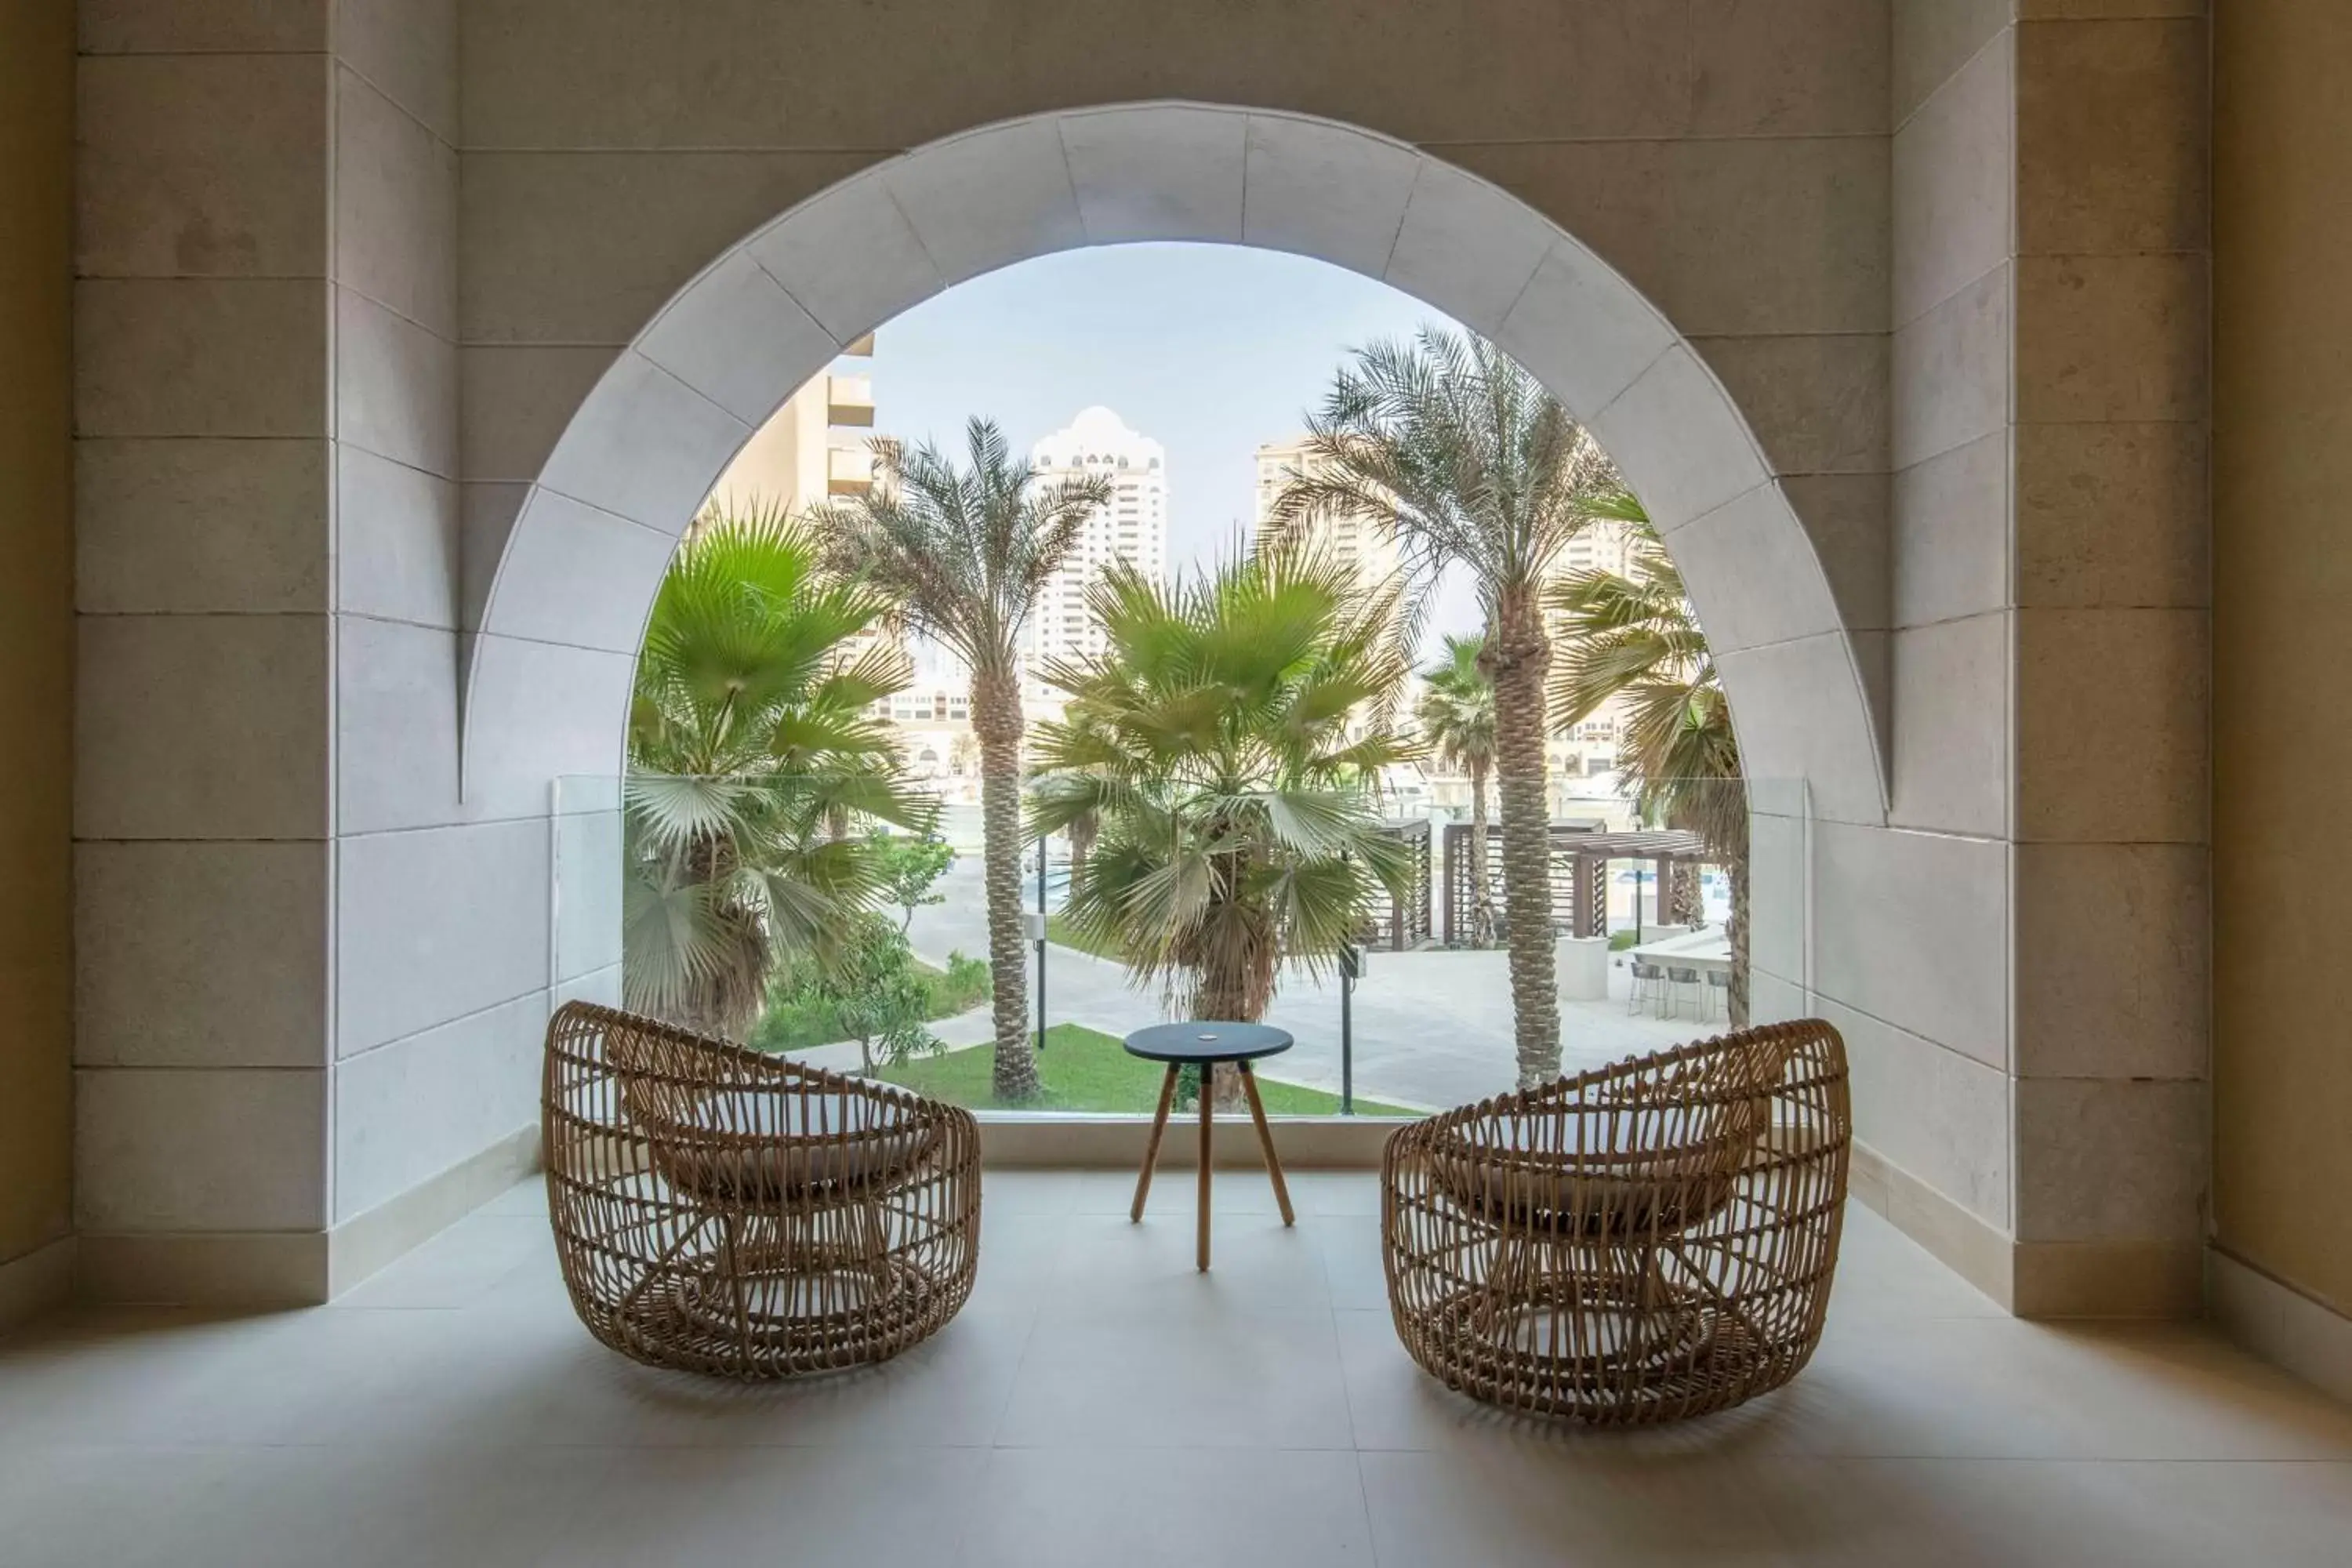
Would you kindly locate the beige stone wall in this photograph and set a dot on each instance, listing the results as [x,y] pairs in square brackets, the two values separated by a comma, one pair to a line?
[2111,649]
[2282,598]
[1730,158]
[35,633]
[265,399]
[350,266]
[2049,604]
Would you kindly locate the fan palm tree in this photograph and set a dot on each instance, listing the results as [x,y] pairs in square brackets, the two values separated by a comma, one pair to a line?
[1634,637]
[1239,825]
[1458,716]
[1464,459]
[748,743]
[965,551]
[1082,824]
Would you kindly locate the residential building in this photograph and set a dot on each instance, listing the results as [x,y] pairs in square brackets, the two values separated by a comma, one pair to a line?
[1130,529]
[817,447]
[1356,538]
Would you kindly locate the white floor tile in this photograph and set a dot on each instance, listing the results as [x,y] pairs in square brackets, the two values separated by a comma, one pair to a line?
[1515,1503]
[1116,1508]
[1229,1381]
[1101,1402]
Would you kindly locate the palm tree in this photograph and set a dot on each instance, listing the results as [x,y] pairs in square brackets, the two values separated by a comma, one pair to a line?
[1082,823]
[1464,461]
[1457,715]
[1239,828]
[748,743]
[965,553]
[1636,637]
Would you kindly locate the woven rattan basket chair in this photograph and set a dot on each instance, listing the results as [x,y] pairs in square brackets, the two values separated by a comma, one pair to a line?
[732,1213]
[1646,1242]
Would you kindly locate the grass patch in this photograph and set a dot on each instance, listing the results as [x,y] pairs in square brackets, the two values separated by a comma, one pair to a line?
[1085,1070]
[1059,931]
[797,1026]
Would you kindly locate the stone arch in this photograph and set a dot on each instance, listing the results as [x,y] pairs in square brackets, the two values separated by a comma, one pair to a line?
[596,529]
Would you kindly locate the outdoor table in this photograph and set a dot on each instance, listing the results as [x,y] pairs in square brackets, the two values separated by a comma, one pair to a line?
[1207,1046]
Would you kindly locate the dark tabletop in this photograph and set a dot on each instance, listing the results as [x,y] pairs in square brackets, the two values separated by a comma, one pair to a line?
[1207,1042]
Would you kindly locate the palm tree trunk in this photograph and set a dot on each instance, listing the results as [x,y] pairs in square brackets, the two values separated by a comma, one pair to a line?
[996,717]
[1237,991]
[1482,890]
[1690,898]
[1517,658]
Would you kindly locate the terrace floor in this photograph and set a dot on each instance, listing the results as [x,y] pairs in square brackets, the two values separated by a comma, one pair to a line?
[1098,1402]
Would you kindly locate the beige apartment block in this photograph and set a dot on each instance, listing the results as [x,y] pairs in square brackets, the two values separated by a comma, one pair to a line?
[815,449]
[1354,539]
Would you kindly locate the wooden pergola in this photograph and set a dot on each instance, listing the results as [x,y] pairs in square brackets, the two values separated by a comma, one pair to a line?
[1581,854]
[1401,924]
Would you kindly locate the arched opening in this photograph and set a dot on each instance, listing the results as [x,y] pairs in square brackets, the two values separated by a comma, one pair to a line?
[638,457]
[662,425]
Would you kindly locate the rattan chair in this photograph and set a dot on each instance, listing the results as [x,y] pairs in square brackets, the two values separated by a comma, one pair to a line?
[1646,1242]
[727,1211]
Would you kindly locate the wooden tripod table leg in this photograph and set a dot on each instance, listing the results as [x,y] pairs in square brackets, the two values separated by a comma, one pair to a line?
[1151,1147]
[1266,1141]
[1208,1157]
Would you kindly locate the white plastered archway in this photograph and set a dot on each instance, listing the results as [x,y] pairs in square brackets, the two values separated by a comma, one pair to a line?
[581,563]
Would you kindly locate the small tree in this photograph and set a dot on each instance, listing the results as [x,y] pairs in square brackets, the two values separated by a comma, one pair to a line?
[875,993]
[910,865]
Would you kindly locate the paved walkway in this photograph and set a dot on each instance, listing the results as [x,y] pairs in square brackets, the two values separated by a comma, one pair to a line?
[1432,1029]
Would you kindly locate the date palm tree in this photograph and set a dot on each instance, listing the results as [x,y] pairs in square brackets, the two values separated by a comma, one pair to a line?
[1633,636]
[1239,828]
[1464,461]
[965,551]
[748,741]
[1457,717]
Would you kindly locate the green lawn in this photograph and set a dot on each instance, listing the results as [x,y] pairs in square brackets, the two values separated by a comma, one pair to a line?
[1085,1069]
[1059,933]
[797,1027]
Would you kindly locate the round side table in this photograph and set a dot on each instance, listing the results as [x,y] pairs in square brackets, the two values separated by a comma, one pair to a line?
[1208,1046]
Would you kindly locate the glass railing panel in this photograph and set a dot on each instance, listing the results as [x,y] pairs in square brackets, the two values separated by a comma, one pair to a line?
[585,899]
[1643,939]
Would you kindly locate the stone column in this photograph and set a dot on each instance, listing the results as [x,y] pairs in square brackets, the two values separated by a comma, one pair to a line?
[2049,651]
[269,935]
[2110,877]
[203,808]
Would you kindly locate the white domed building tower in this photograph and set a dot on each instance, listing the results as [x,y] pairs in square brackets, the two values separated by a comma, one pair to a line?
[1133,527]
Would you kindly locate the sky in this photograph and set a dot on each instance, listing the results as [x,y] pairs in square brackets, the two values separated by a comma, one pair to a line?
[1210,349]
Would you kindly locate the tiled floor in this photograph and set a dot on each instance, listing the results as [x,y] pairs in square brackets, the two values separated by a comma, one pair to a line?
[1099,1403]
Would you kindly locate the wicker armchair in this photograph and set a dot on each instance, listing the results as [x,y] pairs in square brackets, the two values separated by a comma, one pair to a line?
[727,1212]
[1646,1242]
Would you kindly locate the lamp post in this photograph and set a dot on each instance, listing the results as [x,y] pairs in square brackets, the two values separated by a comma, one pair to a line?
[1043,916]
[1352,969]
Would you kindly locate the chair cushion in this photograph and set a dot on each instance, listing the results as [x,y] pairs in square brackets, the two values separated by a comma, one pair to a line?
[1600,1171]
[774,1142]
